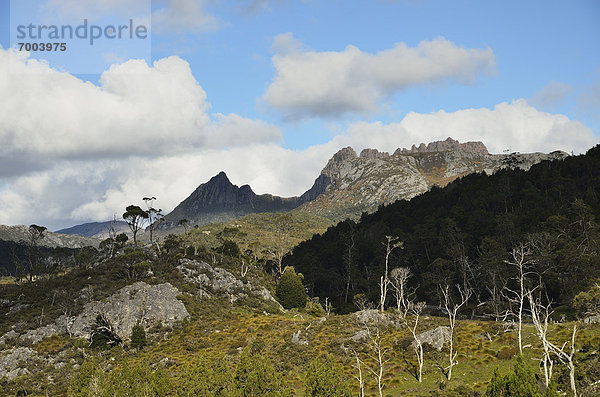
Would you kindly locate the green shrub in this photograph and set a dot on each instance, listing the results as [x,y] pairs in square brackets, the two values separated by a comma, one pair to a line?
[324,379]
[290,291]
[256,376]
[520,382]
[206,377]
[314,308]
[506,353]
[138,336]
[587,303]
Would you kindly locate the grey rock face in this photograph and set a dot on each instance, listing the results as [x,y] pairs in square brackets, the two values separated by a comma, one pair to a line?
[11,362]
[436,337]
[373,154]
[140,302]
[36,335]
[8,336]
[221,282]
[443,146]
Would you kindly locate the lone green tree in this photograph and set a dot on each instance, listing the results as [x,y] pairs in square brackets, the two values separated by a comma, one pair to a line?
[290,291]
[135,218]
[155,216]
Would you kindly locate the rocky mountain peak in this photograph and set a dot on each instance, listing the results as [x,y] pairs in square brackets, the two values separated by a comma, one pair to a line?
[373,154]
[445,146]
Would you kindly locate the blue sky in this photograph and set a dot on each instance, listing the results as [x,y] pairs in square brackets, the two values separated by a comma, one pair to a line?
[267,90]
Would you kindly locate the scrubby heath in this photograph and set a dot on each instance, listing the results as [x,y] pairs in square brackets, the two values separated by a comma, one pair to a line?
[489,286]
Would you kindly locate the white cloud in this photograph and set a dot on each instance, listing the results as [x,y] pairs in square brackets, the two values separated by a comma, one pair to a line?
[326,84]
[137,110]
[515,125]
[73,151]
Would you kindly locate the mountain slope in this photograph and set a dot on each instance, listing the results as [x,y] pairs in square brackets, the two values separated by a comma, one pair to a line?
[361,183]
[218,200]
[96,229]
[467,230]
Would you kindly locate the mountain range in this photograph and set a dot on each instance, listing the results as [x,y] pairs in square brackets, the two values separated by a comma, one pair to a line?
[348,185]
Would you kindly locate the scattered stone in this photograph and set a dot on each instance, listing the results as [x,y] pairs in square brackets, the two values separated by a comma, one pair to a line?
[360,336]
[298,340]
[592,319]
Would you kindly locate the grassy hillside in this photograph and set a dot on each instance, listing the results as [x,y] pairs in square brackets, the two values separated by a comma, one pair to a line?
[220,329]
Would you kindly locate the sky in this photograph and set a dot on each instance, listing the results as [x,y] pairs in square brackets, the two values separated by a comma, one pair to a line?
[269,90]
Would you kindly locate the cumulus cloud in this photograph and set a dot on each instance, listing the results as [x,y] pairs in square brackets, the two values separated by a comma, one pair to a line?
[74,151]
[329,84]
[136,110]
[516,125]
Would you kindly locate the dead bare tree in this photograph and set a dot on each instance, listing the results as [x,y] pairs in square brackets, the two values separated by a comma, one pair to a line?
[452,309]
[520,260]
[567,358]
[399,278]
[379,354]
[391,244]
[415,310]
[244,268]
[495,288]
[539,316]
[359,378]
[348,257]
[281,241]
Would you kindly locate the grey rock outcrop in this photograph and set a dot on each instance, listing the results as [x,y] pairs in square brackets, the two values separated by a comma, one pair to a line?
[218,281]
[436,337]
[373,154]
[38,334]
[12,362]
[147,304]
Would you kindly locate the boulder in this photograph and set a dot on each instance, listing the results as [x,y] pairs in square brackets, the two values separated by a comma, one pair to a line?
[147,304]
[372,316]
[436,337]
